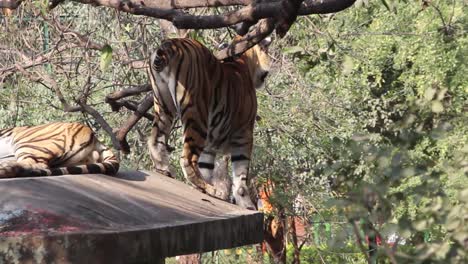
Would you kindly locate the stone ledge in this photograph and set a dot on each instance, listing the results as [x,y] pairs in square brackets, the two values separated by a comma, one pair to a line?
[136,217]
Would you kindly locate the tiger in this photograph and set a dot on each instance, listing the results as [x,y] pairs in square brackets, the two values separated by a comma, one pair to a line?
[217,105]
[53,149]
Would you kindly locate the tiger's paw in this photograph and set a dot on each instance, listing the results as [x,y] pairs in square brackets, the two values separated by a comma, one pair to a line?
[9,169]
[216,193]
[165,173]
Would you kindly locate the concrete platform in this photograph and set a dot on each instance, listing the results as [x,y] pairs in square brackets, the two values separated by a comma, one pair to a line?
[137,217]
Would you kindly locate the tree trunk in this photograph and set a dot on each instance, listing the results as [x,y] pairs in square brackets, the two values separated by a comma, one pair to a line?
[189,259]
[293,232]
[274,238]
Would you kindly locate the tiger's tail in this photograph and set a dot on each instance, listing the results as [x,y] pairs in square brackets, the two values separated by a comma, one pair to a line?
[13,169]
[106,167]
[17,170]
[109,166]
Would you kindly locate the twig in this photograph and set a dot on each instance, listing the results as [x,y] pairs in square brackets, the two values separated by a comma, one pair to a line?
[359,240]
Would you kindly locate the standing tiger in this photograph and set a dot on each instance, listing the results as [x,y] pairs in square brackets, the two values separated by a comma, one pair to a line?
[53,149]
[216,104]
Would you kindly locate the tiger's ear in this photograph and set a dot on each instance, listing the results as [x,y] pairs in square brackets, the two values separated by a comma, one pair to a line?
[265,42]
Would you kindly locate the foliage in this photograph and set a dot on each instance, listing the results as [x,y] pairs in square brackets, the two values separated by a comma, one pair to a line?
[367,120]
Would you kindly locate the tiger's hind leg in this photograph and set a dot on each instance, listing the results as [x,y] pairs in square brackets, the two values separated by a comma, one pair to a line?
[191,160]
[240,159]
[160,132]
[157,144]
[206,164]
[14,169]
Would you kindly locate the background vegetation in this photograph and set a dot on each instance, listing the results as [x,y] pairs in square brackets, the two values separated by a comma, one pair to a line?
[363,123]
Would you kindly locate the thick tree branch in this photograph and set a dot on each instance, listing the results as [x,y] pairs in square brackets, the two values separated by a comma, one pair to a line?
[249,13]
[260,31]
[281,14]
[182,4]
[136,7]
[170,10]
[112,98]
[254,12]
[288,16]
[324,7]
[11,4]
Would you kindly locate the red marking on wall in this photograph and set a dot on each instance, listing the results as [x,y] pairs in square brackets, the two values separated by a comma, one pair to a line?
[36,221]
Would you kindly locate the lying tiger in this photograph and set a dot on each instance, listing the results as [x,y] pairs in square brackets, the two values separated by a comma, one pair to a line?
[53,149]
[217,105]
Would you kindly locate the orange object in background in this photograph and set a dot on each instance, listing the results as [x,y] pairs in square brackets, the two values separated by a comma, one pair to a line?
[7,11]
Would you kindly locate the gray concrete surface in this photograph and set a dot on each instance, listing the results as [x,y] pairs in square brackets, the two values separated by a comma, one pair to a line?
[137,217]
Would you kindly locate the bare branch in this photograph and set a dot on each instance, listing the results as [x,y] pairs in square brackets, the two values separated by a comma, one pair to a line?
[134,90]
[98,117]
[136,7]
[121,134]
[359,240]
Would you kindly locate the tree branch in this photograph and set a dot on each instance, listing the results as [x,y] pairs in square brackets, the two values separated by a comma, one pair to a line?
[182,4]
[113,97]
[324,7]
[11,4]
[141,110]
[170,10]
[100,119]
[249,13]
[288,16]
[263,28]
[279,13]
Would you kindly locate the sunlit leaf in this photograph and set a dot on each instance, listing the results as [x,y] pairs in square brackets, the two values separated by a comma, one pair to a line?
[347,65]
[437,107]
[293,50]
[106,57]
[429,94]
[420,225]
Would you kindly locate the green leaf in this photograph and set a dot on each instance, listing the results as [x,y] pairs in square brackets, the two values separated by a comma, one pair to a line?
[463,195]
[420,225]
[429,94]
[106,57]
[452,224]
[44,7]
[347,65]
[437,107]
[293,50]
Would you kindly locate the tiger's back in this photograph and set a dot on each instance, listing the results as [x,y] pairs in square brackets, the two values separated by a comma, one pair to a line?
[216,103]
[54,149]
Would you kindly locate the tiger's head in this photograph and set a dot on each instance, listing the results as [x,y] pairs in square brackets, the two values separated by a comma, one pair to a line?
[258,61]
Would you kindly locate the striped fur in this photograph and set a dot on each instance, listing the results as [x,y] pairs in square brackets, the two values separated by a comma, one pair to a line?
[53,149]
[216,104]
